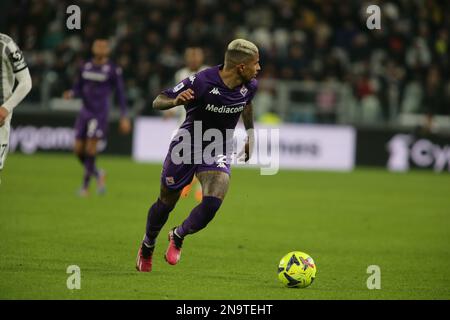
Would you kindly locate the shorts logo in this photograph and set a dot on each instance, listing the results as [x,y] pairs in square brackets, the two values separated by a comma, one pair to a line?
[170,181]
[221,161]
[92,127]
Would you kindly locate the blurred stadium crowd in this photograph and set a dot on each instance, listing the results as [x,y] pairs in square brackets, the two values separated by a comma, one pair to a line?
[404,66]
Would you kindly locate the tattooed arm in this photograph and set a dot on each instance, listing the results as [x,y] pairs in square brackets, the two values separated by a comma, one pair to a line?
[247,117]
[162,102]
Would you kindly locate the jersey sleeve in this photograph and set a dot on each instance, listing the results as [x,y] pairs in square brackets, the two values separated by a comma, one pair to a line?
[120,90]
[15,57]
[78,83]
[193,82]
[253,87]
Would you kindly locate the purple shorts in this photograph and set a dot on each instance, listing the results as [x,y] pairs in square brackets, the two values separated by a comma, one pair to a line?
[90,127]
[177,176]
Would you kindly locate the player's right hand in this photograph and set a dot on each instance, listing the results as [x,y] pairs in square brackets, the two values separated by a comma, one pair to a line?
[3,114]
[124,125]
[68,94]
[184,97]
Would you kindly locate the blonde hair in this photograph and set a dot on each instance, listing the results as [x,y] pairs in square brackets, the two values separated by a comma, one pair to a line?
[238,51]
[244,46]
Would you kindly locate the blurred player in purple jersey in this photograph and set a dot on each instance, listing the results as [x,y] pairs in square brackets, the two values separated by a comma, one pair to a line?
[95,82]
[214,98]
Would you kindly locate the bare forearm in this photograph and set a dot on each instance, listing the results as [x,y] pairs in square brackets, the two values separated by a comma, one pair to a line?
[163,102]
[247,117]
[120,92]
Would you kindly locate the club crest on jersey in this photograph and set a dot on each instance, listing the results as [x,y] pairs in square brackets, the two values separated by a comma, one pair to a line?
[192,79]
[244,91]
[178,87]
[215,91]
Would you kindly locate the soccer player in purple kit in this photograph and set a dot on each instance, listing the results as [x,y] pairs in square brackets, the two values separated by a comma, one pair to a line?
[95,81]
[214,97]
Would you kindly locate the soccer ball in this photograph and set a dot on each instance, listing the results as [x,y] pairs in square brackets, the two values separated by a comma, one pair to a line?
[297,270]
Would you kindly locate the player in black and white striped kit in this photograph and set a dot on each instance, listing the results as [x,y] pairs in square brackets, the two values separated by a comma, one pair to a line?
[12,67]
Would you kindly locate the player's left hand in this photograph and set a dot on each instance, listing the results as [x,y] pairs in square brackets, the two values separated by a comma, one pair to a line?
[246,153]
[3,114]
[124,125]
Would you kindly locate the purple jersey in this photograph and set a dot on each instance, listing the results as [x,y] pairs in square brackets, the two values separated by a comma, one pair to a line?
[94,85]
[215,105]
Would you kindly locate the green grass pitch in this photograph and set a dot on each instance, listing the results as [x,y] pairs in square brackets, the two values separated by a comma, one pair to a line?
[345,221]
